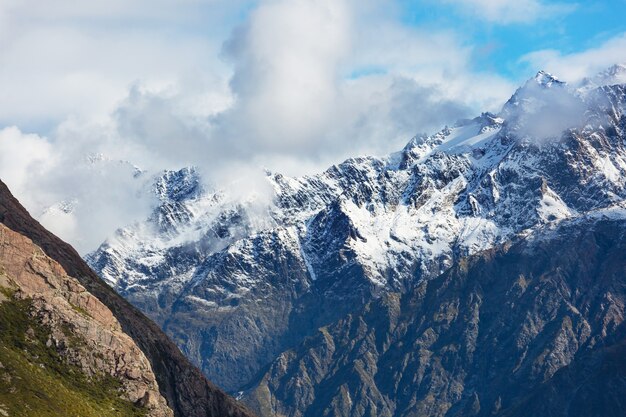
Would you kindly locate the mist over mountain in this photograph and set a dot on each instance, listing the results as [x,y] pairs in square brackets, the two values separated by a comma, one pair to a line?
[312,208]
[231,87]
[351,292]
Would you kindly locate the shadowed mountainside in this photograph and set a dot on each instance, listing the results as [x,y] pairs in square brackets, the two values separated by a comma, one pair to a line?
[533,329]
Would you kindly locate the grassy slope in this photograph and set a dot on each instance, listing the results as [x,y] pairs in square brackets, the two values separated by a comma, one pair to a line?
[35,381]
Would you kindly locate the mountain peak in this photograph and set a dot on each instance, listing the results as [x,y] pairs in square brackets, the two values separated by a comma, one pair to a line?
[178,185]
[615,74]
[368,227]
[545,79]
[617,69]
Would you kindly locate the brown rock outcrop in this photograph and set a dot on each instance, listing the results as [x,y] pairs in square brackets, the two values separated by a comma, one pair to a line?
[82,329]
[187,391]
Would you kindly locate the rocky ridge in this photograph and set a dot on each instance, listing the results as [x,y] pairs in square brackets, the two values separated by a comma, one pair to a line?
[237,284]
[537,319]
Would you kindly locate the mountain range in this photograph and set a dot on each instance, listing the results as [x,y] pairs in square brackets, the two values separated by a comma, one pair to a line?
[478,271]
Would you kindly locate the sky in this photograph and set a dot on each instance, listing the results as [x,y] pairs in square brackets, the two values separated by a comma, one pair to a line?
[92,93]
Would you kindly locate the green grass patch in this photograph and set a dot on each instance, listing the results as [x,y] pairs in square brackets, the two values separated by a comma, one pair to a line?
[81,311]
[7,292]
[35,381]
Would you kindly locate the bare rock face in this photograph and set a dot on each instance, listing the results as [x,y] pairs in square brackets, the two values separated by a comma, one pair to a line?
[187,391]
[535,329]
[82,329]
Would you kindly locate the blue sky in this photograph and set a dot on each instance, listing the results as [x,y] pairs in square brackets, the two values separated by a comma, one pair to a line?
[501,44]
[233,86]
[499,38]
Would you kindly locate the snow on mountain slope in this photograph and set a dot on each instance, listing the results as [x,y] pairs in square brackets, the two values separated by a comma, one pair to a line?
[236,282]
[531,319]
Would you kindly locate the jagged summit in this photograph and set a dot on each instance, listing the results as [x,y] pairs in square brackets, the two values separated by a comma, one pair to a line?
[613,75]
[181,185]
[329,242]
[545,79]
[616,69]
[538,110]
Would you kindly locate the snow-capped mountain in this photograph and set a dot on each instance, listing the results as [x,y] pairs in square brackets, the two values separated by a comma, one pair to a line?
[533,328]
[235,283]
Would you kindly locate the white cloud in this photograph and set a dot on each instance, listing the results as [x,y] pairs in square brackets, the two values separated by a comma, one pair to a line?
[285,61]
[544,113]
[305,83]
[65,58]
[21,155]
[49,177]
[575,66]
[511,11]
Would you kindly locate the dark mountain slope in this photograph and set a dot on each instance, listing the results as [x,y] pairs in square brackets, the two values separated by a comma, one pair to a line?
[187,391]
[593,385]
[235,283]
[535,328]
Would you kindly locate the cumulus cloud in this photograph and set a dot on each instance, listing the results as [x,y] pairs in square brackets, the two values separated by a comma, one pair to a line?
[295,86]
[511,11]
[285,65]
[79,196]
[21,155]
[326,79]
[63,58]
[576,66]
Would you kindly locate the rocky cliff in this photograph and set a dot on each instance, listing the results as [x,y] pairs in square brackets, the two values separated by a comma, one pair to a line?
[532,328]
[187,392]
[74,330]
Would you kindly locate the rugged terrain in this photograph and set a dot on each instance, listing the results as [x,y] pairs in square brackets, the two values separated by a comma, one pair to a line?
[59,341]
[243,287]
[74,327]
[535,328]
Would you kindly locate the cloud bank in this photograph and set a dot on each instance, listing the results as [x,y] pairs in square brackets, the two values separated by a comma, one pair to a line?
[578,65]
[115,88]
